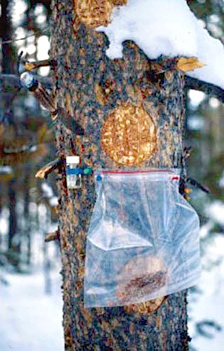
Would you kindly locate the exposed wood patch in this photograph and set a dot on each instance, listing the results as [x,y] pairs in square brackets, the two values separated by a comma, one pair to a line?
[128,135]
[145,307]
[99,94]
[95,13]
[142,283]
[186,64]
[69,108]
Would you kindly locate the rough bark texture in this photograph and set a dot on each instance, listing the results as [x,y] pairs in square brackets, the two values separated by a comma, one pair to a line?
[90,86]
[13,244]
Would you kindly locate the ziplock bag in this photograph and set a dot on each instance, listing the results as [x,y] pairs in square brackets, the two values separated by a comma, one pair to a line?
[143,239]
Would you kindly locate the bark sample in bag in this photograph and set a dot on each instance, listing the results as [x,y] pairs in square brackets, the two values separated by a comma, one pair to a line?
[148,274]
[142,241]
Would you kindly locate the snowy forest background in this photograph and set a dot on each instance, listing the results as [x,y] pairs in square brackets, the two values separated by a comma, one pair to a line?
[30,296]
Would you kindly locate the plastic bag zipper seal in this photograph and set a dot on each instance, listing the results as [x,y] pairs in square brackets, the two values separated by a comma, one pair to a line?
[174,177]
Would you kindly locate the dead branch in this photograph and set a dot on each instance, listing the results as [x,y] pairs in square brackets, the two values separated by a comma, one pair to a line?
[52,236]
[207,88]
[11,82]
[48,168]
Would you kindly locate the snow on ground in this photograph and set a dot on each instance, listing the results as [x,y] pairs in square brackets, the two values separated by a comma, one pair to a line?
[166,28]
[30,320]
[208,304]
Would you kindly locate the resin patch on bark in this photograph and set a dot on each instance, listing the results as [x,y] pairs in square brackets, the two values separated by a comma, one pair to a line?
[128,135]
[95,13]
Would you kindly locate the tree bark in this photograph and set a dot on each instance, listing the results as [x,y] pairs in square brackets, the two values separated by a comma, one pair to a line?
[7,68]
[26,213]
[90,87]
[13,240]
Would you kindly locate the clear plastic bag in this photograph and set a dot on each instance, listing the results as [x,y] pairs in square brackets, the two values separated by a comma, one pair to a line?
[143,239]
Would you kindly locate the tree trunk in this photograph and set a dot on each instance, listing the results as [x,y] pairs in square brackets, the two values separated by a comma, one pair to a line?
[13,239]
[8,59]
[26,214]
[91,87]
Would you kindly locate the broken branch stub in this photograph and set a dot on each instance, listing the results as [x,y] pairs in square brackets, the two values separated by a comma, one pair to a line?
[186,64]
[48,168]
[52,236]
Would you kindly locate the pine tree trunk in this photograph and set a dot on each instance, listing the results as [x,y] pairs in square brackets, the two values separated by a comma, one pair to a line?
[90,86]
[13,242]
[8,60]
[26,213]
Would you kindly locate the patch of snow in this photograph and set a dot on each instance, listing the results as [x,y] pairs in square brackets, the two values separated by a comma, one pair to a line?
[4,221]
[215,211]
[4,225]
[209,304]
[195,122]
[44,71]
[43,46]
[205,229]
[17,11]
[221,180]
[6,170]
[30,320]
[214,103]
[48,191]
[54,201]
[196,97]
[166,28]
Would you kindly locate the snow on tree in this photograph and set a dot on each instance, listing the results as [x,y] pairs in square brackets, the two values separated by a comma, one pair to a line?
[167,28]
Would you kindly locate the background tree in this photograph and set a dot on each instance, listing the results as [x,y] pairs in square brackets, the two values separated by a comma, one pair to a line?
[24,127]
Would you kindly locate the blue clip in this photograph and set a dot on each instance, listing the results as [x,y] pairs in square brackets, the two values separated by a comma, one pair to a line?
[74,171]
[99,178]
